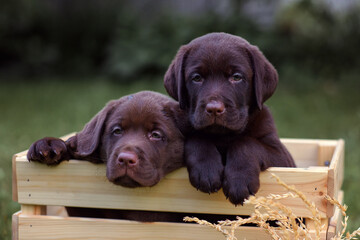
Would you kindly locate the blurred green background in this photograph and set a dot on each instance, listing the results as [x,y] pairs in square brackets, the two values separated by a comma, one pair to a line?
[62,60]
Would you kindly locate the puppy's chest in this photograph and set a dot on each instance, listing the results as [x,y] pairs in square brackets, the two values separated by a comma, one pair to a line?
[222,143]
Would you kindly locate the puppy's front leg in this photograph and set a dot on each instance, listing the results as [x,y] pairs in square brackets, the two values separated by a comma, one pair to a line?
[204,164]
[242,170]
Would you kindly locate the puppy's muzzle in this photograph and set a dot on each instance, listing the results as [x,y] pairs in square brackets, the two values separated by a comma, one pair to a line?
[128,159]
[215,108]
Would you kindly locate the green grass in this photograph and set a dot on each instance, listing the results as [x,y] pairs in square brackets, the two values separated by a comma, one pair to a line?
[29,111]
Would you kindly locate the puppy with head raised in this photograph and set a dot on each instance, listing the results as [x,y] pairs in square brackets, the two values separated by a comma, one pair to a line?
[222,82]
[137,136]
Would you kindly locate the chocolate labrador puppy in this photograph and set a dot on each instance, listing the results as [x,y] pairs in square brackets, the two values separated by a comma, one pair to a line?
[222,82]
[137,136]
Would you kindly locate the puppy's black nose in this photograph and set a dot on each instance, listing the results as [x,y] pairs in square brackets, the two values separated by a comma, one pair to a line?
[128,158]
[215,108]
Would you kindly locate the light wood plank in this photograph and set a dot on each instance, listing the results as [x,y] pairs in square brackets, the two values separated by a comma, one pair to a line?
[56,228]
[306,151]
[15,226]
[326,153]
[336,220]
[33,209]
[336,174]
[310,224]
[335,225]
[14,174]
[79,183]
[56,211]
[83,184]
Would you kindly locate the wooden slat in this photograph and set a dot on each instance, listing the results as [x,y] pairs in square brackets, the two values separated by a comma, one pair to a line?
[33,209]
[335,225]
[303,152]
[56,228]
[306,151]
[15,226]
[326,152]
[83,184]
[14,176]
[336,174]
[23,155]
[310,224]
[79,183]
[56,211]
[302,141]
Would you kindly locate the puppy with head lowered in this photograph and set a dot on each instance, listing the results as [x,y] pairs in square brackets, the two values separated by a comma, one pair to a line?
[137,136]
[222,82]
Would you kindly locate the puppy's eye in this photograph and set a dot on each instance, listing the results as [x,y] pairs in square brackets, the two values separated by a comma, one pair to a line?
[117,131]
[156,135]
[196,78]
[237,77]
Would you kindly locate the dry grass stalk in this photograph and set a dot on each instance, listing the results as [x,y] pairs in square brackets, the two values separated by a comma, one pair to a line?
[311,206]
[215,226]
[343,209]
[288,225]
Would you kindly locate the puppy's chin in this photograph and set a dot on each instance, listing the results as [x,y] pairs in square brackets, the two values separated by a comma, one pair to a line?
[217,126]
[220,130]
[132,179]
[126,181]
[213,129]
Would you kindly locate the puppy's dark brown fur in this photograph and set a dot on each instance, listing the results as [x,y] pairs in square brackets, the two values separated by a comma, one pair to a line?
[222,82]
[136,136]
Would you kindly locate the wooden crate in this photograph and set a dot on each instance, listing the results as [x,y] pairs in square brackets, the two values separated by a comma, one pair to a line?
[83,184]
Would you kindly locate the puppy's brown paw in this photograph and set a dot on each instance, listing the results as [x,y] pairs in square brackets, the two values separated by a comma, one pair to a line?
[204,164]
[238,189]
[206,176]
[50,151]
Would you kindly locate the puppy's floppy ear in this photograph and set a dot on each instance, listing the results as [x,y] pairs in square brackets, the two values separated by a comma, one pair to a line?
[85,143]
[265,76]
[179,116]
[174,80]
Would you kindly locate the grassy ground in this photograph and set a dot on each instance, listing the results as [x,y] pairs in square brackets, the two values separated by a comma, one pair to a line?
[29,111]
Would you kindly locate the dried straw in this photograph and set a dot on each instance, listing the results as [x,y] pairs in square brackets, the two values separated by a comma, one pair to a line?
[289,226]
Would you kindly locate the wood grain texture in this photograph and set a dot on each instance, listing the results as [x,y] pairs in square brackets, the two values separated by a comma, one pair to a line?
[326,152]
[14,176]
[33,209]
[56,228]
[306,151]
[310,224]
[335,225]
[56,211]
[15,226]
[336,174]
[83,184]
